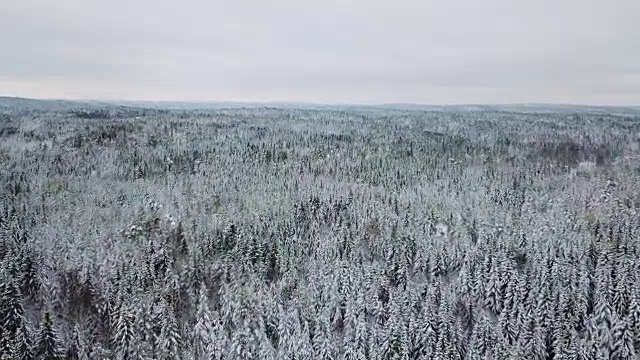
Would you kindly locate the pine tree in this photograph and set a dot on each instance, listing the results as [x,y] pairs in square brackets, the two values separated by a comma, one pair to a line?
[11,311]
[125,339]
[623,341]
[304,348]
[634,319]
[508,328]
[202,331]
[532,338]
[361,342]
[592,338]
[77,348]
[445,348]
[217,347]
[242,344]
[5,344]
[265,348]
[571,350]
[396,344]
[170,341]
[511,288]
[426,335]
[150,325]
[561,326]
[492,296]
[47,343]
[605,321]
[323,346]
[483,339]
[22,347]
[28,278]
[621,297]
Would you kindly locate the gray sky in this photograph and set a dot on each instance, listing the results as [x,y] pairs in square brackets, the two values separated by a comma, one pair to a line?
[365,51]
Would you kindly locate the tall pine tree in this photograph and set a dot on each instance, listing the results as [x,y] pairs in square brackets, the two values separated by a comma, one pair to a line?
[47,342]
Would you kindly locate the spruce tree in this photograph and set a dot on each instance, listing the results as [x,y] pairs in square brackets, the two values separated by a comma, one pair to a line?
[323,346]
[170,340]
[125,339]
[47,342]
[22,346]
[623,347]
[11,312]
[202,331]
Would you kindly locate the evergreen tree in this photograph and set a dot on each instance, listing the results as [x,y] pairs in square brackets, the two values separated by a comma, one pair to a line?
[22,346]
[28,277]
[11,311]
[395,344]
[532,338]
[483,339]
[242,343]
[218,345]
[47,342]
[361,342]
[323,346]
[623,347]
[304,348]
[604,320]
[634,319]
[621,297]
[170,341]
[571,350]
[202,331]
[508,328]
[493,291]
[265,347]
[125,339]
[5,344]
[426,335]
[77,347]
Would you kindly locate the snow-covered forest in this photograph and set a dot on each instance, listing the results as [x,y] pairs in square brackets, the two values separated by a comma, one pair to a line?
[278,233]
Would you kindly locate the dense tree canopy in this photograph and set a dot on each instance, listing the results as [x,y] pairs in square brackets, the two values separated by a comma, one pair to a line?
[269,233]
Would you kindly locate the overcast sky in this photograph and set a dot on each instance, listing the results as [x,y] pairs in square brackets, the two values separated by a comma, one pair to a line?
[360,51]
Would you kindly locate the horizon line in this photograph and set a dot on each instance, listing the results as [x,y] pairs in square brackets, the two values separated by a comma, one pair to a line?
[312,103]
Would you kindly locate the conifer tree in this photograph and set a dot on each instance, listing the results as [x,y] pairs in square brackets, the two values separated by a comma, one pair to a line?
[202,330]
[508,328]
[22,346]
[242,345]
[125,339]
[170,340]
[483,339]
[605,321]
[11,312]
[47,341]
[532,338]
[217,347]
[623,347]
[634,319]
[265,348]
[5,344]
[323,346]
[77,347]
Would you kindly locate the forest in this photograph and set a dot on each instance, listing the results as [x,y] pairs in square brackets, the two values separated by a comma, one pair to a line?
[318,233]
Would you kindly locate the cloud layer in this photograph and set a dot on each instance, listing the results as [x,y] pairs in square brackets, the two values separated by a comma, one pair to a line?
[366,51]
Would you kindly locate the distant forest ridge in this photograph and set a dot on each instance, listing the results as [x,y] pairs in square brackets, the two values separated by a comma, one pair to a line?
[18,103]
